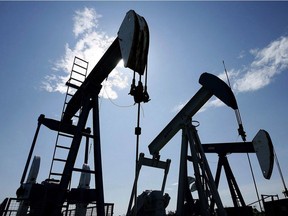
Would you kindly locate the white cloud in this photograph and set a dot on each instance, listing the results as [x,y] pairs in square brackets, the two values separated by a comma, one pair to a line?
[178,107]
[212,103]
[116,79]
[233,75]
[268,62]
[241,54]
[85,21]
[90,46]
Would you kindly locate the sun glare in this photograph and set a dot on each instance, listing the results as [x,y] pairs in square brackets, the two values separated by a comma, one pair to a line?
[120,64]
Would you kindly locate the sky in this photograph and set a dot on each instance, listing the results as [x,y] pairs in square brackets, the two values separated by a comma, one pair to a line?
[40,39]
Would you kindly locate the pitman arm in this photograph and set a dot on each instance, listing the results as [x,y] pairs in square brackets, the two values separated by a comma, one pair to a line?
[211,85]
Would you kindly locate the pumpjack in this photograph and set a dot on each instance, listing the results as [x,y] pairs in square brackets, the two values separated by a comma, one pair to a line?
[55,196]
[203,181]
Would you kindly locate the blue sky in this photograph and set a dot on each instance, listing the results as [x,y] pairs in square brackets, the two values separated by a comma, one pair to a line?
[40,39]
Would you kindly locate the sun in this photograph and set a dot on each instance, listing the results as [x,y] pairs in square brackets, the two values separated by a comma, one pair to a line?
[120,64]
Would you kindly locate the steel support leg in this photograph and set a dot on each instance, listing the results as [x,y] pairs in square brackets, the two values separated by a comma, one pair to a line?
[200,161]
[31,149]
[97,158]
[182,175]
[233,186]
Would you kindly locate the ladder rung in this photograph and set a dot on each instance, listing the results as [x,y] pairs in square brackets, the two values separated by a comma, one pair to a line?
[77,80]
[62,147]
[65,135]
[72,85]
[82,170]
[52,179]
[76,116]
[56,174]
[79,73]
[80,66]
[80,60]
[59,159]
[69,94]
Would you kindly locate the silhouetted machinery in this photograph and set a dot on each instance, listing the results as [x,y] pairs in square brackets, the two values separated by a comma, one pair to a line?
[203,180]
[54,196]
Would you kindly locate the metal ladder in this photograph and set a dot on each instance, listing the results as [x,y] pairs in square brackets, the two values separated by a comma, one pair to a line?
[63,140]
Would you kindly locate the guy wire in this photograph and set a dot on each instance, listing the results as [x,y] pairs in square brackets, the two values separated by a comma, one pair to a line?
[238,116]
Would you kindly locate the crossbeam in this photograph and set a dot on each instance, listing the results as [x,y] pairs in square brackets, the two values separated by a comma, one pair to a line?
[229,148]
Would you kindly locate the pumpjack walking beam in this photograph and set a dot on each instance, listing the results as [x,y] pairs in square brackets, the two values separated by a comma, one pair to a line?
[211,85]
